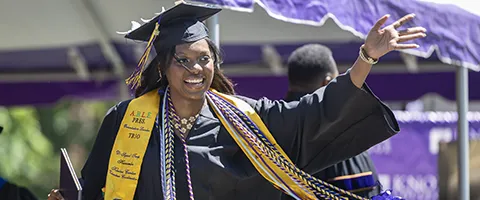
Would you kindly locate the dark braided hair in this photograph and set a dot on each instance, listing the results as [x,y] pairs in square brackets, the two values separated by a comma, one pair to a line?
[151,79]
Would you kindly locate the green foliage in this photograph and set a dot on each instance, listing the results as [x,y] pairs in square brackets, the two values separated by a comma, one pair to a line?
[32,137]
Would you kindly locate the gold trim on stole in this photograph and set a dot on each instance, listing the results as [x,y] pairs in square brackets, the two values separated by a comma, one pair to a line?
[285,180]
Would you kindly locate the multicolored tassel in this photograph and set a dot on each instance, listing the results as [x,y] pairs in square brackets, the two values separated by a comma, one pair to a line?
[134,80]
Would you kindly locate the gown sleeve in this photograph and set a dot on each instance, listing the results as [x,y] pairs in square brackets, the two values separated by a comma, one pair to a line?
[94,172]
[332,124]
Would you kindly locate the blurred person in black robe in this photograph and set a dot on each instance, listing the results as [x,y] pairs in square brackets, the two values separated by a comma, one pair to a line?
[310,67]
[332,124]
[10,191]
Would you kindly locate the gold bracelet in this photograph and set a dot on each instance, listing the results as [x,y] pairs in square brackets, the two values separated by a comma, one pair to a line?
[365,57]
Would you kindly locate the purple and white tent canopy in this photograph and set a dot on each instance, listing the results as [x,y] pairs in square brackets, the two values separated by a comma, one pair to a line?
[453,26]
[47,52]
[62,32]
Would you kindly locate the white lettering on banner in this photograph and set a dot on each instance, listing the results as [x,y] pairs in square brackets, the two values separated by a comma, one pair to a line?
[438,135]
[445,134]
[384,148]
[419,187]
[475,134]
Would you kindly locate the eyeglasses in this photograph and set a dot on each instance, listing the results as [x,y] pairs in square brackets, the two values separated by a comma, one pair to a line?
[189,65]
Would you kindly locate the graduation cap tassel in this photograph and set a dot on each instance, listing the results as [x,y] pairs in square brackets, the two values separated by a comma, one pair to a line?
[134,80]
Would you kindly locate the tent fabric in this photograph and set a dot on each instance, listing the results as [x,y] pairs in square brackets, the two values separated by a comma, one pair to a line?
[454,42]
[57,59]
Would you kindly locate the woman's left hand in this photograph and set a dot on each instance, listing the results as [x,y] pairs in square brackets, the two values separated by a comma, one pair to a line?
[380,41]
[55,195]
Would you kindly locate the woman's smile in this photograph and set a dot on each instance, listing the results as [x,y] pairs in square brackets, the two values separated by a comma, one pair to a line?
[194,83]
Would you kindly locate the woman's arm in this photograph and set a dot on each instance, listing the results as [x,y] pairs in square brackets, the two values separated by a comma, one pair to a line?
[334,123]
[344,118]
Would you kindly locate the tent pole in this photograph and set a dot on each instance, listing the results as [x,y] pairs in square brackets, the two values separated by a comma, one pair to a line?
[214,29]
[94,22]
[462,132]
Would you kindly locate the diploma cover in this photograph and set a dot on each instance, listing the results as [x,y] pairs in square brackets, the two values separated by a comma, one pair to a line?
[70,186]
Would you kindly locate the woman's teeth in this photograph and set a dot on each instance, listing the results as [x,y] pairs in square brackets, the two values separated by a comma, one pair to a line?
[194,81]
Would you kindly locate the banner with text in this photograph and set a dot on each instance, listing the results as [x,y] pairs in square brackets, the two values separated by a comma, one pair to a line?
[407,162]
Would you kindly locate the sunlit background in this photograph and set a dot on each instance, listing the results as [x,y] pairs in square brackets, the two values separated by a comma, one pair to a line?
[62,66]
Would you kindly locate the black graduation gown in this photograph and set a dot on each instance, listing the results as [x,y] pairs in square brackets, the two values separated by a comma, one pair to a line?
[334,123]
[10,191]
[355,165]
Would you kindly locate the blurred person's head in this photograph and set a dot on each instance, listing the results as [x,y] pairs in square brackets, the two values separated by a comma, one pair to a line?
[310,67]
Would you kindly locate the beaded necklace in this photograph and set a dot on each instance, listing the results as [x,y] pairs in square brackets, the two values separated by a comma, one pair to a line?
[183,125]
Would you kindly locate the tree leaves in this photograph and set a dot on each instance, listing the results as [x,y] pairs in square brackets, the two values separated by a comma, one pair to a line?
[32,137]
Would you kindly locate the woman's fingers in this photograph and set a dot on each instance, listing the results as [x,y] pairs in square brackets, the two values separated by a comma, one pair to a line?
[55,195]
[403,20]
[412,30]
[405,38]
[380,23]
[405,46]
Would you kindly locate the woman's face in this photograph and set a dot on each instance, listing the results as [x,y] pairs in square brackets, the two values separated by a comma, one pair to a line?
[193,83]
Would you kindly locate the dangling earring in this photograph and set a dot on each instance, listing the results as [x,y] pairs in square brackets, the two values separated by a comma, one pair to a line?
[159,76]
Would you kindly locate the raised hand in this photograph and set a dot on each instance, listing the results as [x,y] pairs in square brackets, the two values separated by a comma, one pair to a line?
[380,41]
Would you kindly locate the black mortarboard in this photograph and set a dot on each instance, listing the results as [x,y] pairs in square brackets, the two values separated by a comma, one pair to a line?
[177,25]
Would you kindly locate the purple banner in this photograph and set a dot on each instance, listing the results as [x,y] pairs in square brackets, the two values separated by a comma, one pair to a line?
[388,87]
[399,87]
[407,163]
[38,93]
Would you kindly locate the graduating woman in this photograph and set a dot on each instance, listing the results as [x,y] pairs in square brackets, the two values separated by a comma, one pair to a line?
[187,135]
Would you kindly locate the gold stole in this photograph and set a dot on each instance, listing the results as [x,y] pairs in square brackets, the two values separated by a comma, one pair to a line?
[130,145]
[275,175]
[134,133]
